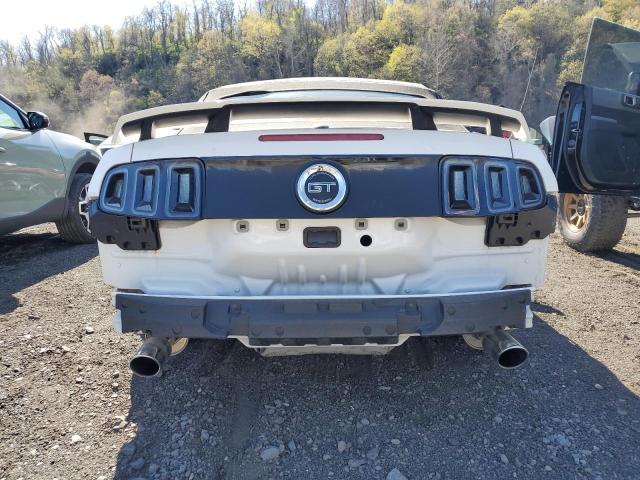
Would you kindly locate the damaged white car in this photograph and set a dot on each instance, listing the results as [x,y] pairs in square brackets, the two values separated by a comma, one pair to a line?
[318,215]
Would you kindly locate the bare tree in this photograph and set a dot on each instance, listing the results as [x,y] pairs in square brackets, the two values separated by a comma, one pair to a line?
[439,54]
[46,46]
[8,56]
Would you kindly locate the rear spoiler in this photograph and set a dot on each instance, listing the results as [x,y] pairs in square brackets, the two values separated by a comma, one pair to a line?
[213,116]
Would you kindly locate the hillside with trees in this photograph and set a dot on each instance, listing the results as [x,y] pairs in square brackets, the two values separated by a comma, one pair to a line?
[484,50]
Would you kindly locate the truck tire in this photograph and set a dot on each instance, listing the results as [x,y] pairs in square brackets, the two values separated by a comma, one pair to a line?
[74,225]
[591,223]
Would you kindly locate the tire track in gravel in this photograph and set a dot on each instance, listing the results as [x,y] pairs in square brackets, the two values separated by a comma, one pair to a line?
[246,394]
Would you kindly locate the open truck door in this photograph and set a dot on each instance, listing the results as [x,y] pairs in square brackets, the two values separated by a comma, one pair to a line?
[596,149]
[595,152]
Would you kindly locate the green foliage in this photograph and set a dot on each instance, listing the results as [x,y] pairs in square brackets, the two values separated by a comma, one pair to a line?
[404,63]
[483,50]
[329,59]
[211,62]
[260,45]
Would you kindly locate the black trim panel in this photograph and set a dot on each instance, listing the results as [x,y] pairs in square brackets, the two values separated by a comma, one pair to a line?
[379,186]
[515,229]
[320,321]
[129,233]
[265,187]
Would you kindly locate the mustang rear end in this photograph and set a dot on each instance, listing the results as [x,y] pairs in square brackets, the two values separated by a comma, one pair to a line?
[323,215]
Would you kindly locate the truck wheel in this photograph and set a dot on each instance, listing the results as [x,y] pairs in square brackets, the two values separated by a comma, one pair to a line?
[591,223]
[74,225]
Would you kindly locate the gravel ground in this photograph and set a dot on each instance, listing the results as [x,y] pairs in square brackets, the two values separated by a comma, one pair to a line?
[433,409]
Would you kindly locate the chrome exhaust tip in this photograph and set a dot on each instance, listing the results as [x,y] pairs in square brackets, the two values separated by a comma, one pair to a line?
[153,353]
[504,349]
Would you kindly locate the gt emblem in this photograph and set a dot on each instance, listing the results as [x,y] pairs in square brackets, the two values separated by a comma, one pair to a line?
[318,187]
[321,188]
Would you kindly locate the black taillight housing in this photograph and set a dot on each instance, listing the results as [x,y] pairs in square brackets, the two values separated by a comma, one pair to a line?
[145,191]
[114,194]
[184,185]
[461,187]
[529,187]
[499,194]
[486,186]
[161,189]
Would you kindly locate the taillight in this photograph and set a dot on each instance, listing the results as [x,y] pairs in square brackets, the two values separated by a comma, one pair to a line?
[529,187]
[114,191]
[461,188]
[146,190]
[498,187]
[184,191]
[164,189]
[481,186]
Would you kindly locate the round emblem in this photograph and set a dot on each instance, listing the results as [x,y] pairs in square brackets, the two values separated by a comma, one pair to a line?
[321,188]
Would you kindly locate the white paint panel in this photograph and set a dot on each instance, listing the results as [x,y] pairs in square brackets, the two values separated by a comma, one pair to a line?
[286,117]
[396,142]
[433,256]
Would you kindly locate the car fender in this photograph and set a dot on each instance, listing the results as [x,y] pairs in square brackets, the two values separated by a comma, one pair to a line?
[77,156]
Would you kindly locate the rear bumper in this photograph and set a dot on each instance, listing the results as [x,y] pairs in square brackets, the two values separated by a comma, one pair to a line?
[295,321]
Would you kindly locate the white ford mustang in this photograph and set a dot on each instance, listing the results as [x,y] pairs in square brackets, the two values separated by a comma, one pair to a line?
[323,215]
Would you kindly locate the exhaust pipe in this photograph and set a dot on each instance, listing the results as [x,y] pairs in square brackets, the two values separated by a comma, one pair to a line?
[504,349]
[150,357]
